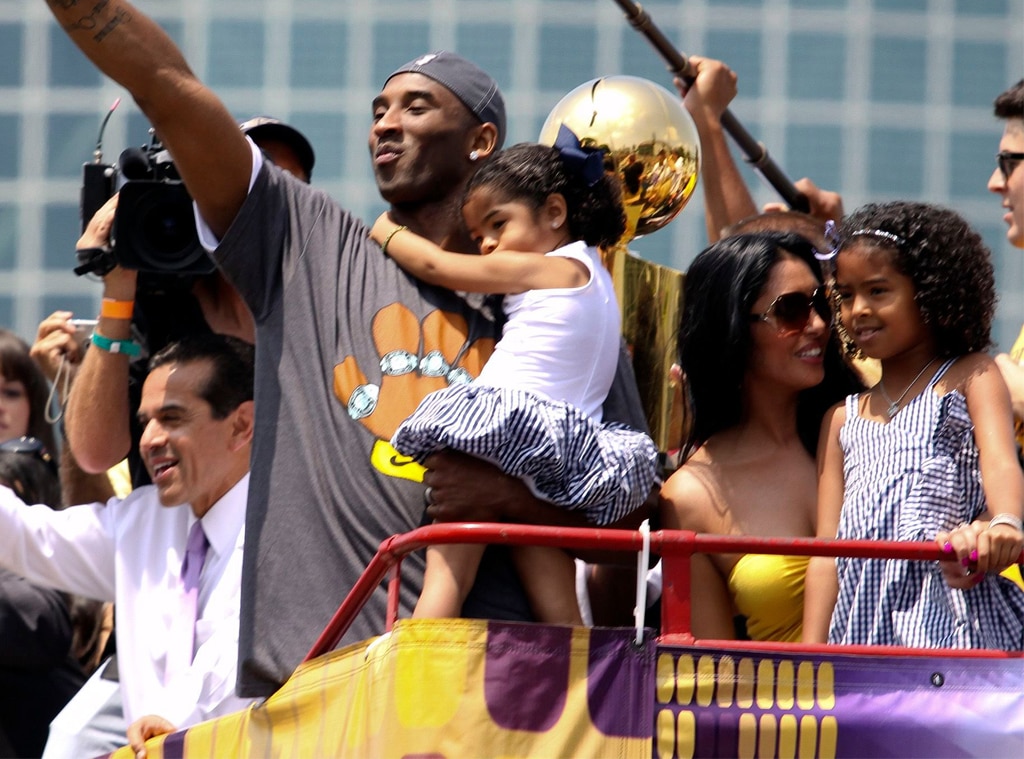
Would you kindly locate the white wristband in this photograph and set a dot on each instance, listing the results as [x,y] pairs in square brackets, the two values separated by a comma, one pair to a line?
[1009,519]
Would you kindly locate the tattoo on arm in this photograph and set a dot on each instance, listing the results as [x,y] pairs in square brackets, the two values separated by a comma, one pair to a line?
[94,20]
[120,16]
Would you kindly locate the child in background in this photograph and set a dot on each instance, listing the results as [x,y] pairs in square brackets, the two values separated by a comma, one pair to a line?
[929,447]
[538,214]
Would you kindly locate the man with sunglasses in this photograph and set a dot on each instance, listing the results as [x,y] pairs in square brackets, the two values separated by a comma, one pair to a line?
[169,556]
[1007,181]
[1008,178]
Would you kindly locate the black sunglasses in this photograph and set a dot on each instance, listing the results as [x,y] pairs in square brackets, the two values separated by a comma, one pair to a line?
[30,446]
[791,312]
[1007,162]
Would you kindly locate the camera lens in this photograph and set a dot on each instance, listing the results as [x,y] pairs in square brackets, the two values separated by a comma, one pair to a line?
[155,229]
[168,228]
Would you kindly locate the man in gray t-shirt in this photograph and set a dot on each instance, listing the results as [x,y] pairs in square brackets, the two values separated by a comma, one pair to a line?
[346,342]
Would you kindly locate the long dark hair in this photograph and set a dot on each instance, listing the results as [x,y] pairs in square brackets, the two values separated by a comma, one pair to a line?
[17,365]
[529,173]
[719,291]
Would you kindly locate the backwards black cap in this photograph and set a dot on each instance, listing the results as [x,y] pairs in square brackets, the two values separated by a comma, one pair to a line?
[467,81]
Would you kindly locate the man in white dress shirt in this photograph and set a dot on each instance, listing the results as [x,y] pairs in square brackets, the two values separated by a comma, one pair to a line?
[197,415]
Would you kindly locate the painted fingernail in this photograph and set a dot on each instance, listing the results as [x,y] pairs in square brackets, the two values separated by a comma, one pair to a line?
[965,561]
[947,547]
[974,555]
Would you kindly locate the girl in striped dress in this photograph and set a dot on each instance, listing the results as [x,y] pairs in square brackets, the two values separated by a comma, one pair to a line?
[537,214]
[926,454]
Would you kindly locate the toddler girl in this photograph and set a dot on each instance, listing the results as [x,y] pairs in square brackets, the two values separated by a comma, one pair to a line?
[538,214]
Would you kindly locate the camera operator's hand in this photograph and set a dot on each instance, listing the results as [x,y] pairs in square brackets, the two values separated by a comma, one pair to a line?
[97,231]
[97,417]
[118,283]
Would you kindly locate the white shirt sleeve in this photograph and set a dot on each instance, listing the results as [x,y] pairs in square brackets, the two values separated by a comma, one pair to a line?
[206,236]
[71,550]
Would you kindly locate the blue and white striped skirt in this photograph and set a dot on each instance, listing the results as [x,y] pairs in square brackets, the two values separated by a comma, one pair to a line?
[567,458]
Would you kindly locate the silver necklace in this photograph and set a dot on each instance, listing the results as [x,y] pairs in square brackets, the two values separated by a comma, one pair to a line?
[894,405]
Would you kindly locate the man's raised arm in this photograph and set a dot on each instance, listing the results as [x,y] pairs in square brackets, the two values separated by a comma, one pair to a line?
[209,151]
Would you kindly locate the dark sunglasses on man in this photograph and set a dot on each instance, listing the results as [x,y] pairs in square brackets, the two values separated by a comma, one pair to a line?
[1007,162]
[791,312]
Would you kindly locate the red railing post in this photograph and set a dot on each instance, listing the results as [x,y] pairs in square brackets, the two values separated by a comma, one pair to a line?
[676,574]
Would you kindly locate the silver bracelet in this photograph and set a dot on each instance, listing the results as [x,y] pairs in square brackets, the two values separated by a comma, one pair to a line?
[1010,519]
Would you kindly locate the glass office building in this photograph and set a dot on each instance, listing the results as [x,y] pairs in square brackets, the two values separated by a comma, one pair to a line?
[879,99]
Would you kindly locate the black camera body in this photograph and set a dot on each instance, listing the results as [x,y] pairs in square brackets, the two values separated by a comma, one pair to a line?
[154,226]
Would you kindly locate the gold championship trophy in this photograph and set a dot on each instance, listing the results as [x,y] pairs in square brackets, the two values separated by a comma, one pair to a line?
[652,144]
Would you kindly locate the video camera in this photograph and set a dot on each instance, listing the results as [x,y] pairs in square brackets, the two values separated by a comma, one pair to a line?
[154,225]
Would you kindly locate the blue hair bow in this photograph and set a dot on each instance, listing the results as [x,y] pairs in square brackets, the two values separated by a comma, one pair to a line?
[587,163]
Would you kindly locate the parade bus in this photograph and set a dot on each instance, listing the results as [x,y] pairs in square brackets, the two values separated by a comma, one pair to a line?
[478,688]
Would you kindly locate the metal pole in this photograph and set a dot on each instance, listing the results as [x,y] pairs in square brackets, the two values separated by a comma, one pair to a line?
[754,152]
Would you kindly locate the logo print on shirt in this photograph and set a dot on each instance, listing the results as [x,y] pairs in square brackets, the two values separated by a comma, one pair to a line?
[415,359]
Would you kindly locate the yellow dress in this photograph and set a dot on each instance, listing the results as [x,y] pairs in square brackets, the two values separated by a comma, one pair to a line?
[769,592]
[1017,354]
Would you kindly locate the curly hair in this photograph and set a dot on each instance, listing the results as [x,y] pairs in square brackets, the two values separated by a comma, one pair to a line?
[1010,104]
[947,261]
[715,342]
[529,173]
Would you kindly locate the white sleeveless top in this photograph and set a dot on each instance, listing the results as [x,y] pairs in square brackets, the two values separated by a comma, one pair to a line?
[561,343]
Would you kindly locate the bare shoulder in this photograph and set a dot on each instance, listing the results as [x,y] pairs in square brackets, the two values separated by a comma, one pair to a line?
[690,496]
[972,371]
[835,417]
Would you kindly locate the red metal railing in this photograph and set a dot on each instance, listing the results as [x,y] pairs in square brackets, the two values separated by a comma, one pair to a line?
[674,546]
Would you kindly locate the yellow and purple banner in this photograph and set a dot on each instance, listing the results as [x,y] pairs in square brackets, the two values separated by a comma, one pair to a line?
[449,688]
[454,688]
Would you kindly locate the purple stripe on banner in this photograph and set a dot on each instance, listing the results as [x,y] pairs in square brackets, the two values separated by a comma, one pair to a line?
[526,674]
[620,681]
[174,745]
[728,738]
[706,745]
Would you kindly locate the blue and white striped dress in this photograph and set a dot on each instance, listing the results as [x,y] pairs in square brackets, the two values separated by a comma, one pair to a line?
[907,480]
[604,469]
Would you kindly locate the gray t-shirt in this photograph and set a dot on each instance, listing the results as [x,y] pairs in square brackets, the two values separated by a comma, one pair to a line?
[346,346]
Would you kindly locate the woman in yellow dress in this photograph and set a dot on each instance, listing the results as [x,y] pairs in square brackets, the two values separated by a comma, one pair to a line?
[761,366]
